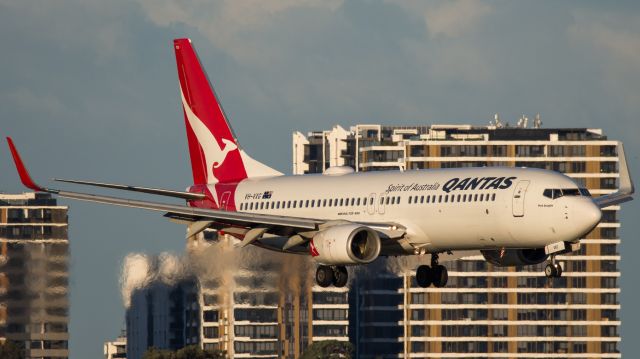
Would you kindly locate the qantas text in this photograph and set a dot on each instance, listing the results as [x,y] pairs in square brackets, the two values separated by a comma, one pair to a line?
[471,183]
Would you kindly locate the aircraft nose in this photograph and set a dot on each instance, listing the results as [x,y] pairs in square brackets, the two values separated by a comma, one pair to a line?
[588,215]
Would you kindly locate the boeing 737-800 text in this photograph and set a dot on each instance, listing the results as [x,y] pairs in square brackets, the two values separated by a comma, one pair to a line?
[514,216]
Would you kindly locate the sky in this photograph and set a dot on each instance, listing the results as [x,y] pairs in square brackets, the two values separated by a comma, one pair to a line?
[88,90]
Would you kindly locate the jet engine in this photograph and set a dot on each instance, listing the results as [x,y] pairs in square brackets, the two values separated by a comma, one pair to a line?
[514,257]
[346,244]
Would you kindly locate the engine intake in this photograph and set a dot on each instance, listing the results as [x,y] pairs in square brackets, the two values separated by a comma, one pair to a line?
[515,257]
[346,244]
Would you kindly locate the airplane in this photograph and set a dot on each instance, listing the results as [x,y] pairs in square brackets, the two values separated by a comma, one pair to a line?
[513,216]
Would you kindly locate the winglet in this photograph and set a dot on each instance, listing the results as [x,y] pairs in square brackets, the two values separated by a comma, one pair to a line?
[626,183]
[22,170]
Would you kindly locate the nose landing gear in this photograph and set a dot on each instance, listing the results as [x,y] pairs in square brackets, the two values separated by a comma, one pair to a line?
[435,274]
[327,275]
[553,269]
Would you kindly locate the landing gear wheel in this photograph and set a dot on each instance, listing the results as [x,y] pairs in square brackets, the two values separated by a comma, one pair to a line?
[340,276]
[439,276]
[558,270]
[423,276]
[324,276]
[553,270]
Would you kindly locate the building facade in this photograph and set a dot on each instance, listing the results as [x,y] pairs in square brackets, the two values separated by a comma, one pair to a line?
[510,312]
[116,349]
[163,316]
[34,274]
[240,301]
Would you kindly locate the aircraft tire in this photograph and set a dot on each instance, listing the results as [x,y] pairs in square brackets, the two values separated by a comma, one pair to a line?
[439,276]
[423,276]
[340,276]
[324,276]
[551,271]
[558,270]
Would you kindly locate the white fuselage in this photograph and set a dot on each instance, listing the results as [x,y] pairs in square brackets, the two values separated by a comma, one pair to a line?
[441,209]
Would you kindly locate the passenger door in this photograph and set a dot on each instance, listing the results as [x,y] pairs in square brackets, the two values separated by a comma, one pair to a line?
[383,197]
[224,202]
[371,204]
[518,198]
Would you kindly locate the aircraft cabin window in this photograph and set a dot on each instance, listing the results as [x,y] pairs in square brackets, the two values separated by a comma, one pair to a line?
[273,205]
[493,197]
[353,201]
[294,204]
[409,199]
[371,201]
[387,200]
[475,197]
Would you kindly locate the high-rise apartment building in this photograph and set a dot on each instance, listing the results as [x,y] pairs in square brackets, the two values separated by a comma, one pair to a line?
[163,316]
[34,274]
[116,349]
[246,302]
[485,310]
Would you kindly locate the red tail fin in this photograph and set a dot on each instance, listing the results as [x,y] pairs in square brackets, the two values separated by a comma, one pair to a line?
[216,156]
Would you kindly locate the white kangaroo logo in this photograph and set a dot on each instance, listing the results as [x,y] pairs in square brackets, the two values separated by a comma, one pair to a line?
[214,155]
[222,154]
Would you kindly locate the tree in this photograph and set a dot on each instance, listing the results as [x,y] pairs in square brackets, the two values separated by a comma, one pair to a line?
[188,352]
[328,349]
[195,352]
[153,353]
[9,350]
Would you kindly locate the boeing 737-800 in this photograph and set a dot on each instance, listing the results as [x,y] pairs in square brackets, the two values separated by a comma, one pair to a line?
[514,216]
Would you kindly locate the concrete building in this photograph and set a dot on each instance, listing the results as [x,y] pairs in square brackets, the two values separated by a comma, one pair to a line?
[485,310]
[116,349]
[163,316]
[269,307]
[34,274]
[243,302]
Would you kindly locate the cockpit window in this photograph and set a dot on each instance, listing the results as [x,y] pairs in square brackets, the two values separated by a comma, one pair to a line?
[585,192]
[571,192]
[554,193]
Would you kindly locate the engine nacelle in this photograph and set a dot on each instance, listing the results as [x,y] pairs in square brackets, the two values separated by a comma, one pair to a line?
[515,257]
[346,244]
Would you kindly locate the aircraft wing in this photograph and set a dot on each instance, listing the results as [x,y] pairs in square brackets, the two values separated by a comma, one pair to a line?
[158,191]
[247,226]
[625,188]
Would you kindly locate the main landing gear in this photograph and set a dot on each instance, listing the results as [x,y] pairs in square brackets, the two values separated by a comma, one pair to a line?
[336,275]
[553,269]
[436,274]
